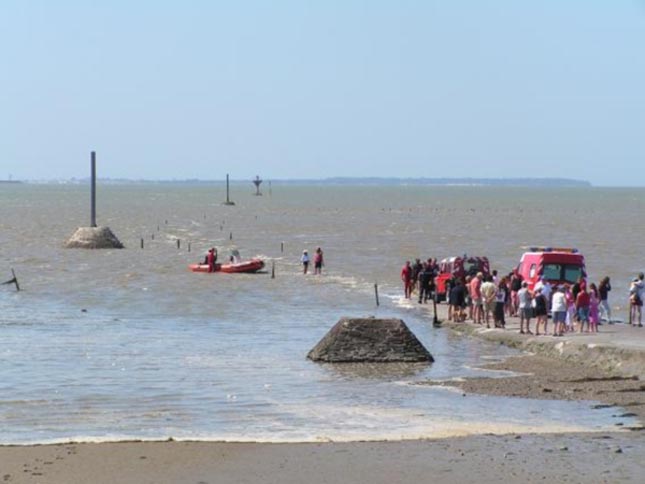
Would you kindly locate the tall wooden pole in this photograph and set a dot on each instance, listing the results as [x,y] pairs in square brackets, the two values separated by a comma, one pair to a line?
[228,198]
[93,201]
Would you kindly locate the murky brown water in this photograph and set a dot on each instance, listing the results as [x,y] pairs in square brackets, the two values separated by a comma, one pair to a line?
[161,351]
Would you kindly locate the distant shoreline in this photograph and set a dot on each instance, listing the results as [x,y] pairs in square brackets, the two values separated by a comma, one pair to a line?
[348,181]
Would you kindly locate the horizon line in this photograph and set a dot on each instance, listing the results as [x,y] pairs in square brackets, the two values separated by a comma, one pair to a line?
[332,179]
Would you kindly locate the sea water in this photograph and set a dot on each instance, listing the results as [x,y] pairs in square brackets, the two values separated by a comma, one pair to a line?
[128,344]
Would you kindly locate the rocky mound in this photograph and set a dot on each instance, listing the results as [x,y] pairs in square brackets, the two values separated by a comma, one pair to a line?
[369,340]
[93,238]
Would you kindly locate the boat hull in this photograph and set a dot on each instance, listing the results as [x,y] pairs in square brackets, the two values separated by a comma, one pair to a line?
[246,267]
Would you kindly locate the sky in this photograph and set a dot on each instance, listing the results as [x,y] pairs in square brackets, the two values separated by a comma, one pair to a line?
[303,89]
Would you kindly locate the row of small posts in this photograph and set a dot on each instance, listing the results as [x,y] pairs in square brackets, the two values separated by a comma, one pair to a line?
[230,237]
[93,224]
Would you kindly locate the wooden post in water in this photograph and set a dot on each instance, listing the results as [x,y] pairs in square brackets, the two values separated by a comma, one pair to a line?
[376,294]
[435,319]
[230,236]
[12,281]
[273,270]
[228,198]
[15,280]
[282,247]
[93,190]
[142,242]
[178,243]
[93,237]
[188,246]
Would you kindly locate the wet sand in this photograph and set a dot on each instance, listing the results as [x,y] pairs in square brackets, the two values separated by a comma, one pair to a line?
[549,378]
[608,457]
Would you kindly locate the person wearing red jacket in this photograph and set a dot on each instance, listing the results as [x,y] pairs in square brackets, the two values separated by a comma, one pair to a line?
[582,308]
[406,278]
[211,257]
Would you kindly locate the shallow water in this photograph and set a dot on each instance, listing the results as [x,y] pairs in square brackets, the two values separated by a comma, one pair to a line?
[105,345]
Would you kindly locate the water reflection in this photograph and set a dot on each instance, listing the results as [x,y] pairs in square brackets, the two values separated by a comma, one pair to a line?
[375,371]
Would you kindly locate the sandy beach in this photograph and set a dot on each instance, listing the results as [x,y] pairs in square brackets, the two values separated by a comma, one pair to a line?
[606,457]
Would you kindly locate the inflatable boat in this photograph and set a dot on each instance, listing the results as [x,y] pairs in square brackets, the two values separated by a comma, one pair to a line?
[249,266]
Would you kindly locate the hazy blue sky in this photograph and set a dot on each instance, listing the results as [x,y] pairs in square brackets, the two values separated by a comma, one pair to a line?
[297,89]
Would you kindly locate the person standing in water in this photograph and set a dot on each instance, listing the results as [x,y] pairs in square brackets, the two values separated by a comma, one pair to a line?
[425,277]
[318,261]
[603,291]
[406,278]
[305,261]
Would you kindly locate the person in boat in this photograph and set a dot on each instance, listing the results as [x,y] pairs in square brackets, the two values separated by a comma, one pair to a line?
[235,258]
[208,252]
[211,259]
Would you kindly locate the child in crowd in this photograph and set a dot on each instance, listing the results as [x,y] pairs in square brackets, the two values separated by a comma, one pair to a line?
[594,303]
[570,309]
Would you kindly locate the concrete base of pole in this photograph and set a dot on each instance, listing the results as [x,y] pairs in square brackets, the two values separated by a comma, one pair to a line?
[93,238]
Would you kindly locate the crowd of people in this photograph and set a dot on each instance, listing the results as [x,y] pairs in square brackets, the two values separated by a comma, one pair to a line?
[489,299]
[420,277]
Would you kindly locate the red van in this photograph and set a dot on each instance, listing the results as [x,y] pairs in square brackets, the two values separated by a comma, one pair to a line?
[459,268]
[558,265]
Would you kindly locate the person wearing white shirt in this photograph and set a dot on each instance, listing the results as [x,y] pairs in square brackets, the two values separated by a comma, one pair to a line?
[558,311]
[636,292]
[547,289]
[305,261]
[524,298]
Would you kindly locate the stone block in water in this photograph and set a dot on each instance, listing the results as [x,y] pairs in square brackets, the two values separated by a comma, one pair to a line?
[370,340]
[93,238]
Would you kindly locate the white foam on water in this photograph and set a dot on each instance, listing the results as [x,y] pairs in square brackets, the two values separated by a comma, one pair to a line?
[436,430]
